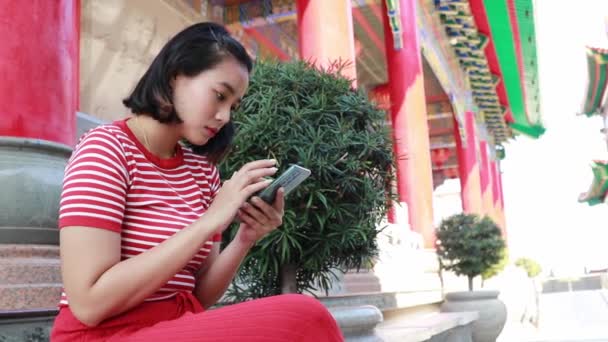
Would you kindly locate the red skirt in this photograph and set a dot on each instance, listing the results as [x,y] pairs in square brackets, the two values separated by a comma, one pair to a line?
[182,318]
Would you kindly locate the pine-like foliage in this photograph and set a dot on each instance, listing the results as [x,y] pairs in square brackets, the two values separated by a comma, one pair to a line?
[298,114]
[469,245]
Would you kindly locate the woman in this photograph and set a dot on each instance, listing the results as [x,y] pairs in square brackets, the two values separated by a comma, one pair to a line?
[141,215]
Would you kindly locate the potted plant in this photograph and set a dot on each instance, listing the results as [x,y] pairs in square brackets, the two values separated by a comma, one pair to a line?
[296,113]
[533,270]
[469,245]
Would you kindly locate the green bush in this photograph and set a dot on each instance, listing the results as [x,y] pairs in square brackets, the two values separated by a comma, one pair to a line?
[469,245]
[530,266]
[497,268]
[298,114]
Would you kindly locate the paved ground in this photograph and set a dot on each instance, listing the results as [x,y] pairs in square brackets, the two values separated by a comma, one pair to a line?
[565,317]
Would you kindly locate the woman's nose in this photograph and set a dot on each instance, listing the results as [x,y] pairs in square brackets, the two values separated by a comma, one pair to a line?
[223,115]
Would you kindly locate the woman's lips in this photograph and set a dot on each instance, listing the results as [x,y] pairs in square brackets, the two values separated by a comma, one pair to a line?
[211,131]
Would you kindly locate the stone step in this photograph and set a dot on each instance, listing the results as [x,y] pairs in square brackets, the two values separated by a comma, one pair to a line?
[384,301]
[361,282]
[15,271]
[29,296]
[396,281]
[428,327]
[28,251]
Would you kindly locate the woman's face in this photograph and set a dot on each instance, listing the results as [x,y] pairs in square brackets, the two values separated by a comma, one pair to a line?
[204,102]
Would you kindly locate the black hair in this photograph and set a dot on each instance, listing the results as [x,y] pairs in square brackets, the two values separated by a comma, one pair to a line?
[195,49]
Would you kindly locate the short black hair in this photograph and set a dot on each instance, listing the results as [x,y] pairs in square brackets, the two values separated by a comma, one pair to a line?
[195,49]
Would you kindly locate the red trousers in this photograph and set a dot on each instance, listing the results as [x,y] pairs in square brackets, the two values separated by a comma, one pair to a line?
[181,318]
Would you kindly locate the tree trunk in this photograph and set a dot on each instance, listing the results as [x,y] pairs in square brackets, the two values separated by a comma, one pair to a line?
[288,279]
[470,283]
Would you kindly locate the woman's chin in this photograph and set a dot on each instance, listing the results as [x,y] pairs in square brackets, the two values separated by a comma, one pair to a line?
[199,141]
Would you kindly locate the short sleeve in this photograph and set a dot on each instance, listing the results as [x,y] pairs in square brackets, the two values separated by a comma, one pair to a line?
[95,183]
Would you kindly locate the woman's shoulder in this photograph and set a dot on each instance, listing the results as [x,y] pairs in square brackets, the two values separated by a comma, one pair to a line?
[112,133]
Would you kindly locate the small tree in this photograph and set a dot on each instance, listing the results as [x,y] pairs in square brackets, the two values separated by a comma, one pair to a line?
[496,269]
[531,267]
[298,114]
[469,245]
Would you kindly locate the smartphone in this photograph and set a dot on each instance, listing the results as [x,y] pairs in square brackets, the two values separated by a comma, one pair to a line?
[288,180]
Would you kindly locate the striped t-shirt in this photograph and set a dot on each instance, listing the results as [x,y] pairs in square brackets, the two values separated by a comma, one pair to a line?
[113,182]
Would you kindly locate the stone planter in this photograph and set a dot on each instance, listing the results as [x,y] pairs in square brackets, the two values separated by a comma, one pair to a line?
[31,175]
[492,312]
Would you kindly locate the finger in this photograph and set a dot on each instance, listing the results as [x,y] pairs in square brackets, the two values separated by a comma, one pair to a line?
[256,174]
[242,180]
[279,201]
[248,220]
[259,164]
[274,216]
[255,187]
[258,214]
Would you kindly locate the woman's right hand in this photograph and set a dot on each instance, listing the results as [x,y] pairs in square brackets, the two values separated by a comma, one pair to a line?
[235,191]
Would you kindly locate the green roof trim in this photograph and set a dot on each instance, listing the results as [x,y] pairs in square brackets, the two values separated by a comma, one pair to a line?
[597,70]
[527,39]
[531,131]
[599,186]
[503,27]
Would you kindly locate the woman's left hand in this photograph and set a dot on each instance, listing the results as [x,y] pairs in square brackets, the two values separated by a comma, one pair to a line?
[259,218]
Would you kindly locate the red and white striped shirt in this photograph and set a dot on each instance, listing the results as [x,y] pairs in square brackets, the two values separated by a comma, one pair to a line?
[113,182]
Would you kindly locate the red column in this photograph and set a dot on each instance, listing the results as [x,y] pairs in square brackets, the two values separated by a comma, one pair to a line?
[381,96]
[500,200]
[39,69]
[486,180]
[409,118]
[468,166]
[326,34]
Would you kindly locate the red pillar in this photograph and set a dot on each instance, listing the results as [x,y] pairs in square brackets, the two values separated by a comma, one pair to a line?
[502,200]
[485,171]
[409,118]
[381,96]
[499,202]
[468,166]
[39,69]
[326,34]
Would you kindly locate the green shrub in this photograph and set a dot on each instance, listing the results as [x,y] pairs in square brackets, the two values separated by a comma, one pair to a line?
[469,245]
[298,114]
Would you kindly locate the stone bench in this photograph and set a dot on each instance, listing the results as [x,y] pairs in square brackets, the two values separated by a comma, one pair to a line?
[398,316]
[434,327]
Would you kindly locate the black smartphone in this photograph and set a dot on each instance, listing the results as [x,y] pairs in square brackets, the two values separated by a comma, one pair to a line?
[288,180]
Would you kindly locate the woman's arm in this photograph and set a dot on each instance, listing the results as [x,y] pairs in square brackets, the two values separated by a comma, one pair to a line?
[220,268]
[99,285]
[212,281]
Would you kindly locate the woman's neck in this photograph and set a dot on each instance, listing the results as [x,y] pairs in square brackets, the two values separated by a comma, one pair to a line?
[158,138]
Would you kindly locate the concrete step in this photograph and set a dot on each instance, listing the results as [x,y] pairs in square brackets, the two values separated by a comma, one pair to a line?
[385,301]
[28,251]
[15,271]
[29,296]
[428,327]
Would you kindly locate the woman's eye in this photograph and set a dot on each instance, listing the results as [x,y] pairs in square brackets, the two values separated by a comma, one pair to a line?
[220,96]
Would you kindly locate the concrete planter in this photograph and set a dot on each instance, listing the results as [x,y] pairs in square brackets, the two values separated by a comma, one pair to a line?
[31,174]
[492,312]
